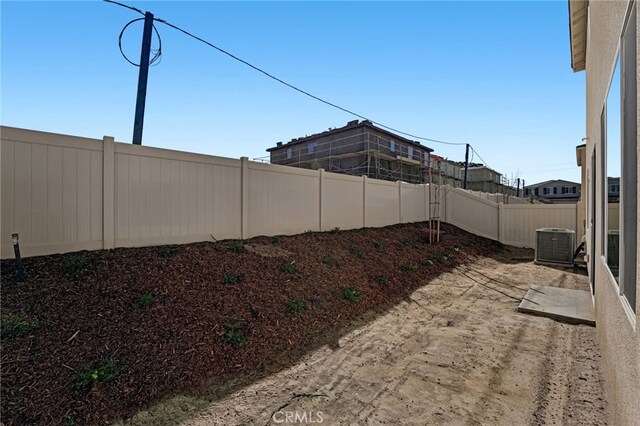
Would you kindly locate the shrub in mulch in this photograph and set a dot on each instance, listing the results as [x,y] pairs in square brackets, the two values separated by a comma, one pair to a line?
[93,337]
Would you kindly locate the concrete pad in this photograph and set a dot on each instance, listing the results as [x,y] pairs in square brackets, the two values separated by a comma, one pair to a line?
[562,304]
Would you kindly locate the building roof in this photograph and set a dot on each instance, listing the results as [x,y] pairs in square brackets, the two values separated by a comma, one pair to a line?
[578,33]
[554,181]
[355,124]
[476,166]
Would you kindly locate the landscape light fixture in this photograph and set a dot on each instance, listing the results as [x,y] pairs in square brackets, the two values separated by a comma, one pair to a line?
[20,275]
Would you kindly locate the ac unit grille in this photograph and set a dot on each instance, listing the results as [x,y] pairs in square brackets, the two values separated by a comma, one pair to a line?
[555,245]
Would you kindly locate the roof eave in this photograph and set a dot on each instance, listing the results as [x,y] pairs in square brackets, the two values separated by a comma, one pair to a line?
[578,33]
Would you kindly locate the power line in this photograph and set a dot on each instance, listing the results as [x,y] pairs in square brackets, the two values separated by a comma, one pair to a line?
[279,80]
[124,5]
[479,156]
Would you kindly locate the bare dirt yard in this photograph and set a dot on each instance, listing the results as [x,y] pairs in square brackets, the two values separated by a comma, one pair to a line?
[456,352]
[371,326]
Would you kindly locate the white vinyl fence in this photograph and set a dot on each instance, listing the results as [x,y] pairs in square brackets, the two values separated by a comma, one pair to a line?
[64,193]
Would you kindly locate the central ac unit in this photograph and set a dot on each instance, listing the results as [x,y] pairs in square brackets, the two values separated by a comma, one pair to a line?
[555,246]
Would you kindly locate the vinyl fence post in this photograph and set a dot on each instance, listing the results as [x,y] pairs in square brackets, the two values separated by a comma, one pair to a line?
[399,201]
[500,220]
[426,201]
[244,197]
[364,201]
[108,192]
[321,196]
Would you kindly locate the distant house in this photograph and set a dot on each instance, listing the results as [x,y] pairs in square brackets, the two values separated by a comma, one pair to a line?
[485,179]
[446,172]
[613,189]
[359,148]
[557,191]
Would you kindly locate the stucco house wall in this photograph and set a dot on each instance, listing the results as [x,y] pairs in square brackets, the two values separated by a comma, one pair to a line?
[617,324]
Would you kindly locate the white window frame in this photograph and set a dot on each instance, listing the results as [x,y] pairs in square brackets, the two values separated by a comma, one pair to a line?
[628,198]
[311,148]
[289,153]
[392,145]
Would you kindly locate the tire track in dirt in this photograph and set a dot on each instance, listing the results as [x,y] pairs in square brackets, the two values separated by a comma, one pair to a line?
[454,352]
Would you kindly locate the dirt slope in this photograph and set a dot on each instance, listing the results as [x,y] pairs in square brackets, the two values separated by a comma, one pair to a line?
[96,336]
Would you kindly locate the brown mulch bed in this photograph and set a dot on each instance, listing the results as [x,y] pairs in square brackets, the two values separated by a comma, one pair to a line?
[85,309]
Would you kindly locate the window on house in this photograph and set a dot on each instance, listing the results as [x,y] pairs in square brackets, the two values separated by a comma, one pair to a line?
[535,191]
[620,148]
[289,153]
[311,148]
[574,190]
[410,152]
[392,146]
[555,190]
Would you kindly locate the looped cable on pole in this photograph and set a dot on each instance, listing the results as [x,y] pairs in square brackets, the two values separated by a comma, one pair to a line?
[158,52]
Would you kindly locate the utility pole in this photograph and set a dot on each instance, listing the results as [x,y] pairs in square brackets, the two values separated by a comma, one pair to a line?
[466,165]
[143,76]
[518,189]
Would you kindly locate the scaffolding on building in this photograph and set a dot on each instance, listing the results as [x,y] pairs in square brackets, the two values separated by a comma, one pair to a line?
[381,158]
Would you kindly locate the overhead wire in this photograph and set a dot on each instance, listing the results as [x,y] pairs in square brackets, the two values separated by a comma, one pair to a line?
[291,86]
[125,5]
[479,156]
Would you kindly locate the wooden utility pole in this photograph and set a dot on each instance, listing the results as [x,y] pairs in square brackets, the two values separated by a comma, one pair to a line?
[466,166]
[143,76]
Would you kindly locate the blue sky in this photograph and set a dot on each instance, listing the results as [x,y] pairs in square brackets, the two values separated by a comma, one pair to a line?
[494,74]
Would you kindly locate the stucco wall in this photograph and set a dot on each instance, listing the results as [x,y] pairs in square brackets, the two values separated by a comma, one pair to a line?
[617,327]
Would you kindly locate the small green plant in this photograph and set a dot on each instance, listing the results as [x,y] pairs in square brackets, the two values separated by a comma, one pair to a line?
[358,252]
[69,421]
[442,258]
[457,248]
[144,301]
[102,373]
[335,230]
[230,278]
[276,239]
[74,262]
[382,279]
[378,245]
[236,245]
[16,326]
[289,267]
[296,306]
[234,334]
[309,232]
[410,267]
[426,262]
[167,251]
[328,260]
[351,294]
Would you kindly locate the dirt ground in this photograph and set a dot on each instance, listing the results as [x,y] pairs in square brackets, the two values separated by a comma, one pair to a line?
[457,352]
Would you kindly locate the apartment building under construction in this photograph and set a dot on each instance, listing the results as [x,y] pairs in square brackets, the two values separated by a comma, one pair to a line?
[359,148]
